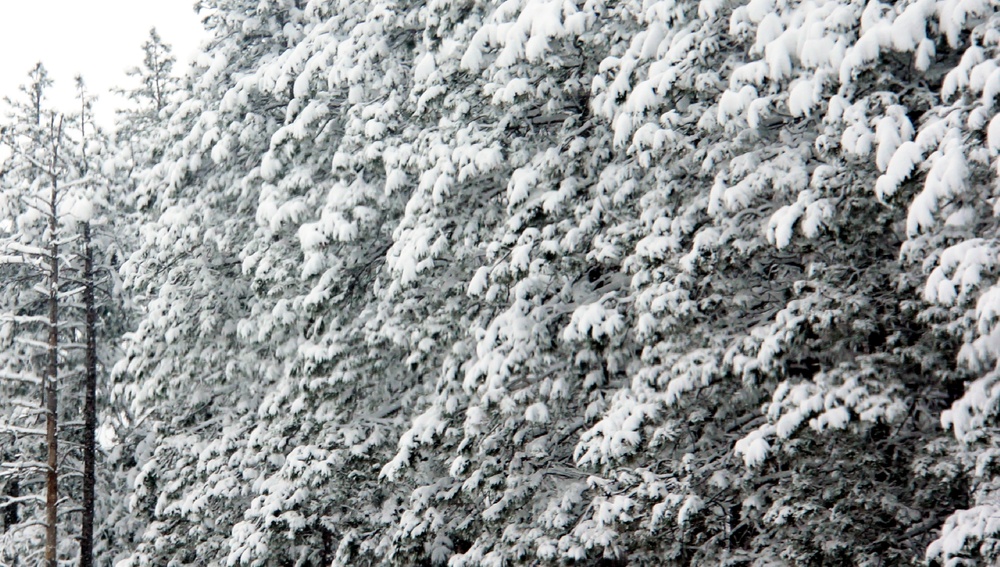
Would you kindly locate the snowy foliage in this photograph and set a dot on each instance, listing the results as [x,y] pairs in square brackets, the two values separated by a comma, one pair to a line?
[490,283]
[50,185]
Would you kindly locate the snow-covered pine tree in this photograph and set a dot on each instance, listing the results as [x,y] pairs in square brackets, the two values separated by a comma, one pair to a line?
[135,147]
[43,173]
[139,139]
[515,280]
[766,245]
[156,73]
[31,137]
[946,178]
[89,146]
[190,382]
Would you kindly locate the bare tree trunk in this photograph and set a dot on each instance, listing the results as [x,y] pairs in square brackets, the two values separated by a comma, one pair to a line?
[90,380]
[11,515]
[52,373]
[90,406]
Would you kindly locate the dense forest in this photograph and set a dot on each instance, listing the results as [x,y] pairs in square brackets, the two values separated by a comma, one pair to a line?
[531,282]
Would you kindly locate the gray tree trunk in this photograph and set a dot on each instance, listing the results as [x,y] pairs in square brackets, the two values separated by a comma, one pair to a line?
[52,372]
[90,406]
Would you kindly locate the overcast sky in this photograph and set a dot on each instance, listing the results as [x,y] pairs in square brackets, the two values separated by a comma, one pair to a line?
[98,39]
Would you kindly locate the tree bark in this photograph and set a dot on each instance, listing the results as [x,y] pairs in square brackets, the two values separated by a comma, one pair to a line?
[90,406]
[11,516]
[52,372]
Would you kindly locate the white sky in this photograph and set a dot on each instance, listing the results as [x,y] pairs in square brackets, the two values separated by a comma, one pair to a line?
[98,39]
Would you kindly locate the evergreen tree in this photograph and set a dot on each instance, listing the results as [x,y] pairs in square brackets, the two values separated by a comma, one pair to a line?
[40,178]
[638,283]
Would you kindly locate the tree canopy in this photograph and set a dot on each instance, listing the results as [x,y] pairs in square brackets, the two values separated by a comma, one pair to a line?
[467,283]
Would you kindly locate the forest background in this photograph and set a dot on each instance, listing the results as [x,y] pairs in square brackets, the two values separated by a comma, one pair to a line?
[541,282]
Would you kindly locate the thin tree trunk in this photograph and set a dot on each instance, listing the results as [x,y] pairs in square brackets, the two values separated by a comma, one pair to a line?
[52,373]
[10,512]
[90,381]
[90,406]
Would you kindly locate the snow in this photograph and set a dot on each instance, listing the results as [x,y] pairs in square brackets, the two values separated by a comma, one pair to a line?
[946,179]
[901,165]
[537,413]
[706,240]
[617,434]
[890,132]
[642,98]
[789,423]
[176,215]
[857,139]
[757,10]
[748,74]
[768,30]
[953,15]
[270,166]
[958,78]
[311,236]
[817,215]
[802,98]
[778,57]
[522,181]
[520,257]
[692,505]
[834,418]
[593,320]
[222,150]
[513,89]
[488,159]
[423,430]
[300,88]
[866,50]
[447,294]
[993,135]
[960,264]
[753,450]
[757,110]
[479,282]
[654,35]
[708,9]
[978,523]
[909,28]
[924,55]
[819,51]
[961,218]
[82,210]
[423,70]
[782,223]
[980,75]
